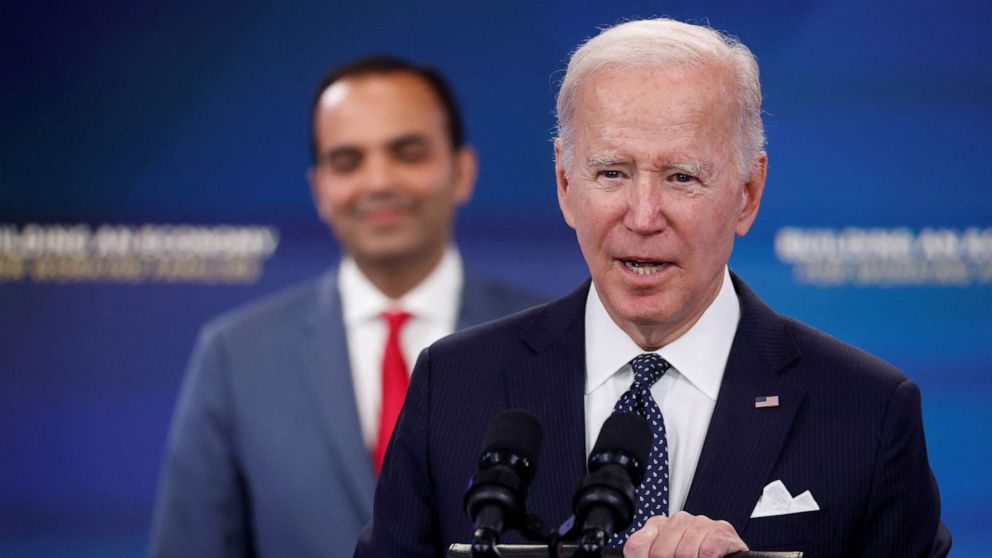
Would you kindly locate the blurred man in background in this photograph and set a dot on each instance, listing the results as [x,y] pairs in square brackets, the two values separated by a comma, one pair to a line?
[288,404]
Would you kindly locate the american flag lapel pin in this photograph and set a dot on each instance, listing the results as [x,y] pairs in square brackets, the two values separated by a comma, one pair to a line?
[766,401]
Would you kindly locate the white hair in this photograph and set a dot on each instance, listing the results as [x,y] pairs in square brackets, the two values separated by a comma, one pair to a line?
[656,43]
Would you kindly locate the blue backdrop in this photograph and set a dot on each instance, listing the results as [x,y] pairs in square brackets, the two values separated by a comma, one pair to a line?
[876,224]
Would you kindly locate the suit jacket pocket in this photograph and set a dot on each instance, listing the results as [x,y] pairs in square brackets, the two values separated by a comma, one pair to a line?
[781,530]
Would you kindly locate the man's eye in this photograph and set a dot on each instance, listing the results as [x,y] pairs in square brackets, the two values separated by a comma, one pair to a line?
[611,174]
[411,153]
[344,162]
[683,178]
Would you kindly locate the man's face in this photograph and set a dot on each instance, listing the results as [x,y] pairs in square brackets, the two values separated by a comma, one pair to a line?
[654,195]
[387,180]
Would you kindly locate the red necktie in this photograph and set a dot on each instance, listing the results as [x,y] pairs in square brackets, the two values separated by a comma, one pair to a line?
[394,382]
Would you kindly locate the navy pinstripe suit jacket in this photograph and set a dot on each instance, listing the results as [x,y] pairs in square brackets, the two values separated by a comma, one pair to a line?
[848,429]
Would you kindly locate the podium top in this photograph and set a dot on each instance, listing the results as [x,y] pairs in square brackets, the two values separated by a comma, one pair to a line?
[541,551]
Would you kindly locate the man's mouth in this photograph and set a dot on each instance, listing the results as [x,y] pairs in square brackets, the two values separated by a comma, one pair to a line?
[642,267]
[384,209]
[384,215]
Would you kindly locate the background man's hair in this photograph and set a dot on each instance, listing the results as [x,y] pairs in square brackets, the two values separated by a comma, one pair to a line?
[659,43]
[382,64]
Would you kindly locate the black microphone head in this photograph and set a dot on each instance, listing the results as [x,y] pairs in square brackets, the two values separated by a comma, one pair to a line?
[516,432]
[605,501]
[627,433]
[496,496]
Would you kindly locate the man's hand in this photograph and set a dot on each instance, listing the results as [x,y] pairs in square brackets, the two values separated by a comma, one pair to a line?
[683,536]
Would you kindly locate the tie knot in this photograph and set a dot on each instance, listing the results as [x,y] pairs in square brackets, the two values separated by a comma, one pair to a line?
[395,319]
[648,368]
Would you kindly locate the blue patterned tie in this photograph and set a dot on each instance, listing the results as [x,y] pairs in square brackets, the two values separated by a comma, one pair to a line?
[652,494]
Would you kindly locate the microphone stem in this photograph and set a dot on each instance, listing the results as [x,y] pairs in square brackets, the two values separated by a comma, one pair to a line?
[484,542]
[591,544]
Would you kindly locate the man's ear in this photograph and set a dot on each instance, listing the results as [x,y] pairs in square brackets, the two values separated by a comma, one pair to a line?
[561,181]
[751,194]
[466,172]
[316,194]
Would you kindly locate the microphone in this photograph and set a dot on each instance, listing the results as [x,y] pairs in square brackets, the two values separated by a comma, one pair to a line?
[605,503]
[497,494]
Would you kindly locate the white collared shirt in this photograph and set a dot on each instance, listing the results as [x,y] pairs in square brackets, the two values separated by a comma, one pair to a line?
[433,305]
[686,393]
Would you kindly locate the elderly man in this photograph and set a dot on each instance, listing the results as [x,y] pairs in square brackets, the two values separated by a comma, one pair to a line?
[288,405]
[785,437]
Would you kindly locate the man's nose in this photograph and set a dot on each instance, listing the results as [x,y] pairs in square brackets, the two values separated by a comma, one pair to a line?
[380,173]
[645,211]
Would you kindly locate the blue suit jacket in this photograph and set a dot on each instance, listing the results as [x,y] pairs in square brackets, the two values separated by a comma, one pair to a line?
[848,429]
[265,455]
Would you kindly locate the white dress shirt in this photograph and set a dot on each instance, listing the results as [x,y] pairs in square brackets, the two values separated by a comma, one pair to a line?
[686,393]
[433,305]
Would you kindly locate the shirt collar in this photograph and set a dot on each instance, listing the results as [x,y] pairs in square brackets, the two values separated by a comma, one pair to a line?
[431,299]
[700,354]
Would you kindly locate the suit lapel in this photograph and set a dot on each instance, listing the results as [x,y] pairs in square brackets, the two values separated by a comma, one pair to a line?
[327,371]
[744,442]
[551,385]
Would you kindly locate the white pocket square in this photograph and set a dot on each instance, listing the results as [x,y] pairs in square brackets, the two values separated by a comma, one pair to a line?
[776,500]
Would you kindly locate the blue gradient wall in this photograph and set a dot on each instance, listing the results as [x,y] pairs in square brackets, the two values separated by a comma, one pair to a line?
[878,120]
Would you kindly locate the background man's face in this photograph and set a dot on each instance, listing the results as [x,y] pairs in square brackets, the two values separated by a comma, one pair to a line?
[387,180]
[653,193]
